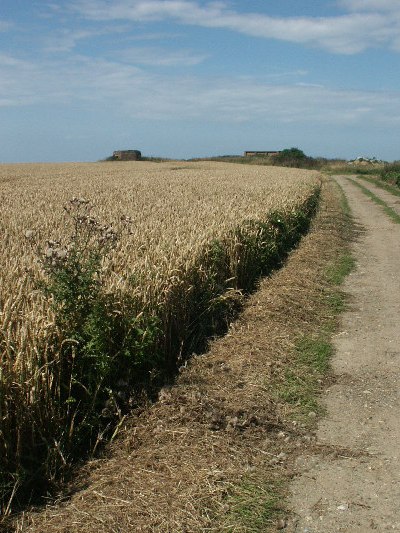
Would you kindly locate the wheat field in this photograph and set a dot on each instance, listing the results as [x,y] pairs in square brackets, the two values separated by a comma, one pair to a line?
[180,214]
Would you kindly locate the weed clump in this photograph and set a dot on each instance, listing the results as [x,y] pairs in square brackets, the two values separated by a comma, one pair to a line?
[103,351]
[391,173]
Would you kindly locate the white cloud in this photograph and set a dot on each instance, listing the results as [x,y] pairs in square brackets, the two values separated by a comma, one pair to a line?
[66,39]
[371,5]
[155,56]
[5,26]
[346,34]
[7,60]
[125,89]
[153,36]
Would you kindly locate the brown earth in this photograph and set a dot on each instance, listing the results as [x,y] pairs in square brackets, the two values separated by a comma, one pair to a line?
[359,491]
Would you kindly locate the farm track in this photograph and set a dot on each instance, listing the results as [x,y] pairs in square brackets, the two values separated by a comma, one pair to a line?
[209,454]
[359,491]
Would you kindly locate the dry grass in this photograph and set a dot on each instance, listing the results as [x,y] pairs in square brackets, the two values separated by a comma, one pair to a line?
[204,456]
[177,211]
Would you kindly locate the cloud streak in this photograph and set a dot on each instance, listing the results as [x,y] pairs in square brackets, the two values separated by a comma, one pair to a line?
[368,23]
[129,90]
[154,56]
[5,26]
[371,5]
[66,40]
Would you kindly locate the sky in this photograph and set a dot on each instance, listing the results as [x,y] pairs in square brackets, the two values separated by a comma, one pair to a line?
[191,78]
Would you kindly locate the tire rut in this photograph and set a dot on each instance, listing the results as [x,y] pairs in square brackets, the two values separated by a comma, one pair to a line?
[391,200]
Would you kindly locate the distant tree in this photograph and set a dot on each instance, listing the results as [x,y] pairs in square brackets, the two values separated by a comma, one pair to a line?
[294,157]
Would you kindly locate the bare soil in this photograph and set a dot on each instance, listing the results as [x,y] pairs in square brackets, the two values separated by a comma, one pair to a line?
[359,491]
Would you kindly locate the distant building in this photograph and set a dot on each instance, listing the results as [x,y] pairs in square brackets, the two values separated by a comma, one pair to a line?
[127,155]
[251,153]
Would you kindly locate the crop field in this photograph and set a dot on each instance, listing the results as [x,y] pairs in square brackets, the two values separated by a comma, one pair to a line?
[111,274]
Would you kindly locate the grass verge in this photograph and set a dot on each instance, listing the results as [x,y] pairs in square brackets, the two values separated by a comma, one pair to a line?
[314,350]
[388,210]
[298,386]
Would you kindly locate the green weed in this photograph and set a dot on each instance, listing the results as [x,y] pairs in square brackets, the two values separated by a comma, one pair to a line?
[337,272]
[254,507]
[391,173]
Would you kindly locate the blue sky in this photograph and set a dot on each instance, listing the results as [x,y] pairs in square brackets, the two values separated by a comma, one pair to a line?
[190,78]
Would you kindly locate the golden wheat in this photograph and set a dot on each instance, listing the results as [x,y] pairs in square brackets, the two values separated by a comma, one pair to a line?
[177,210]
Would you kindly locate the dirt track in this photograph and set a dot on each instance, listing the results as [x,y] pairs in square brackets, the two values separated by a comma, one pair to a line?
[359,490]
